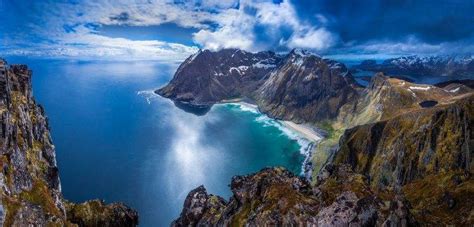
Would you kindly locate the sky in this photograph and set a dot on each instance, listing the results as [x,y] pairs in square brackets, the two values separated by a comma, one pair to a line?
[169,30]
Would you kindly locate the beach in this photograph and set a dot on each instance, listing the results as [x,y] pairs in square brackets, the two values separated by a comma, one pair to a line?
[304,130]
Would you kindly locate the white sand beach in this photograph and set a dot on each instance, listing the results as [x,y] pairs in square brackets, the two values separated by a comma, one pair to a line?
[304,130]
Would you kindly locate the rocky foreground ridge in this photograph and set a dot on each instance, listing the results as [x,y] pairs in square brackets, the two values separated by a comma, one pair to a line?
[29,180]
[396,153]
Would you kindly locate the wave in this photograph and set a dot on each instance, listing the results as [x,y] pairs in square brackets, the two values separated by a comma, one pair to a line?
[149,95]
[306,146]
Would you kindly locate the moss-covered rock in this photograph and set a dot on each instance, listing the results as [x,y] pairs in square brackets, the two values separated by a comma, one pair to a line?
[30,189]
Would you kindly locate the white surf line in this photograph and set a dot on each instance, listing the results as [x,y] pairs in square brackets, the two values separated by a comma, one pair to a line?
[304,135]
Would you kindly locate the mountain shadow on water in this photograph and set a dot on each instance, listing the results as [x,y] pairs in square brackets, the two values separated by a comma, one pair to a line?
[198,110]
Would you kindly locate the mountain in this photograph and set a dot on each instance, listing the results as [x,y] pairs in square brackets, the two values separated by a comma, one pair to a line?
[306,88]
[395,153]
[208,77]
[299,86]
[29,180]
[424,154]
[419,66]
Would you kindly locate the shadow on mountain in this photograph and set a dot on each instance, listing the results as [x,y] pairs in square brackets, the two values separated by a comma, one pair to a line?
[198,110]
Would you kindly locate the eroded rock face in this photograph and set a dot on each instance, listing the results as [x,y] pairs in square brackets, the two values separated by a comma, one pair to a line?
[426,154]
[29,180]
[274,196]
[306,88]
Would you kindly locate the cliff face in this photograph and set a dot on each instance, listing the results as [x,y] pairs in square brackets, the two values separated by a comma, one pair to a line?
[274,196]
[29,180]
[306,88]
[425,154]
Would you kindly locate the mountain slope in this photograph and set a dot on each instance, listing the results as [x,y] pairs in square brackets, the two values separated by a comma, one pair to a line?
[209,77]
[29,180]
[426,154]
[306,88]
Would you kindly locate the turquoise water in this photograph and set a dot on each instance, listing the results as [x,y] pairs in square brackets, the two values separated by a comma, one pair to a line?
[117,141]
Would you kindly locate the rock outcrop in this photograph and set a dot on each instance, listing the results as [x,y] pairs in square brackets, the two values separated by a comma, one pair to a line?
[275,197]
[29,180]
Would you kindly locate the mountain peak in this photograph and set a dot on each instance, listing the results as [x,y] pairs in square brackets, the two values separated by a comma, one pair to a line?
[301,53]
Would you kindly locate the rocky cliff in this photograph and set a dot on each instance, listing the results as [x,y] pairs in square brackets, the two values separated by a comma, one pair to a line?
[275,197]
[29,180]
[425,154]
[306,88]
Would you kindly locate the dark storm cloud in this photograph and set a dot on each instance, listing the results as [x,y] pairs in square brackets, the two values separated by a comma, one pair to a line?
[361,21]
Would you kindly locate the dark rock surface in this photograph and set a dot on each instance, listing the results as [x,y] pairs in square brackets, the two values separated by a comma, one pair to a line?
[275,197]
[306,88]
[29,180]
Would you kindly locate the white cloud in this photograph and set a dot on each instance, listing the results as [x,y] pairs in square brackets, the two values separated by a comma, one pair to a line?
[236,28]
[318,39]
[63,29]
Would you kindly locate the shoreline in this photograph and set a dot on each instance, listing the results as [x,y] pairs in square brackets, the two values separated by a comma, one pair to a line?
[305,131]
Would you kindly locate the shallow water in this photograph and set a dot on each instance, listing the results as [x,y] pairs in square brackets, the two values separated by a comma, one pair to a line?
[118,141]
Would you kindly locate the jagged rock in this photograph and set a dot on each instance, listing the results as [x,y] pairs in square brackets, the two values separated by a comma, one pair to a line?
[97,213]
[200,209]
[30,185]
[274,196]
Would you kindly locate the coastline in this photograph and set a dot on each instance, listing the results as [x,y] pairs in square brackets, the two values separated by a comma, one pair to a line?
[305,131]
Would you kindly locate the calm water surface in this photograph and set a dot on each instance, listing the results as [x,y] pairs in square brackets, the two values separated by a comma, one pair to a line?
[117,141]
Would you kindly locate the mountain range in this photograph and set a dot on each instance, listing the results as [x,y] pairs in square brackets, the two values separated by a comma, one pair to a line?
[423,65]
[395,152]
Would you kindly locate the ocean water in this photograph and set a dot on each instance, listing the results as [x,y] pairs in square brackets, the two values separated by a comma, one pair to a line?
[117,141]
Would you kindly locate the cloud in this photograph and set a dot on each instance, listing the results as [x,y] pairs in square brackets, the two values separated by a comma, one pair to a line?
[237,28]
[72,29]
[318,39]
